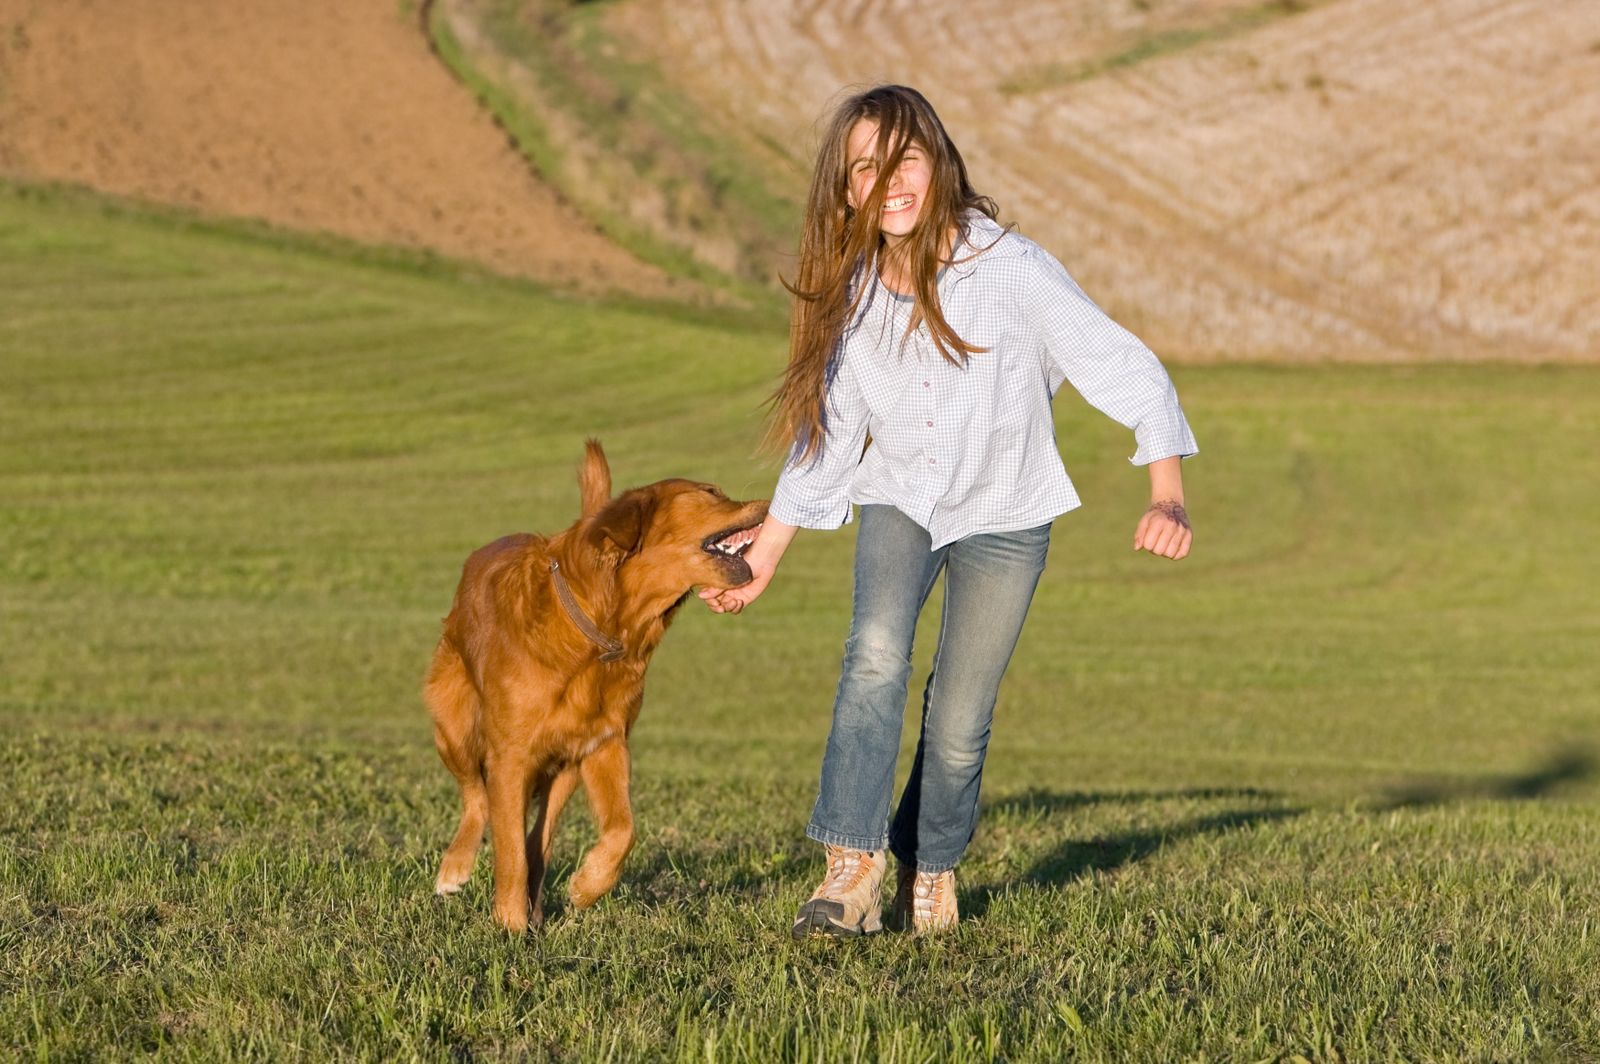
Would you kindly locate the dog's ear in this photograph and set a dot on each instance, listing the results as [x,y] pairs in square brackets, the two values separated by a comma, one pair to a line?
[594,479]
[619,528]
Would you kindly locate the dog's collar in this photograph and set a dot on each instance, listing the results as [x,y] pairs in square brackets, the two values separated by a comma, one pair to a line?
[611,649]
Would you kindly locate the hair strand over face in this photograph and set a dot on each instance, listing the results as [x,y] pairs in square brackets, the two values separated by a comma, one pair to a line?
[838,243]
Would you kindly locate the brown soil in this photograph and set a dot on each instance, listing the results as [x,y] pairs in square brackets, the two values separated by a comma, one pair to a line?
[324,115]
[1364,179]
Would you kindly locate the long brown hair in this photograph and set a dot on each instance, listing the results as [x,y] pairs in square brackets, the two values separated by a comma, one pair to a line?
[838,240]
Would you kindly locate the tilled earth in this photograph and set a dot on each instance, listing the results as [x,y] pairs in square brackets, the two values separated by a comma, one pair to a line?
[1323,179]
[331,117]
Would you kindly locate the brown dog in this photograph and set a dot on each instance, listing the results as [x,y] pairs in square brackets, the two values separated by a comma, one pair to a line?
[539,675]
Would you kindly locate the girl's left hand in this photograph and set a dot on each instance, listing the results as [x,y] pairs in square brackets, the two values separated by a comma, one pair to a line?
[1164,530]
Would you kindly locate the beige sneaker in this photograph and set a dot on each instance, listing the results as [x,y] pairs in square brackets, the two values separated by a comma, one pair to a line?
[924,902]
[847,902]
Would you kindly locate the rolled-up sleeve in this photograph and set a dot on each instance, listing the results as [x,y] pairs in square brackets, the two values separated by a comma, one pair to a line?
[1107,364]
[815,493]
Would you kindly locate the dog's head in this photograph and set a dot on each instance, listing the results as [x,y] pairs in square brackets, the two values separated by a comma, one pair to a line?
[678,532]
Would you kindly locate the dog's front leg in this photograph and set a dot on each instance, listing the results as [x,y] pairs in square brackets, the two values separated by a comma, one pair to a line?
[605,777]
[509,777]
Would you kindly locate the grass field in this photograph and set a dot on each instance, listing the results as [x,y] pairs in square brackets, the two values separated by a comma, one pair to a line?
[1324,790]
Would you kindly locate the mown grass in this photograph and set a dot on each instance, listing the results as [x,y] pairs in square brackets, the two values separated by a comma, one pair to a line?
[1323,790]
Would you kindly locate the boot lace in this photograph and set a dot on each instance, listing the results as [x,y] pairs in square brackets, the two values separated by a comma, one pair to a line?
[928,894]
[846,868]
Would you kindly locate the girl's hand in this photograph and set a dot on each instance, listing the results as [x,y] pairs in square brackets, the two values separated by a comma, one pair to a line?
[735,599]
[763,557]
[1164,530]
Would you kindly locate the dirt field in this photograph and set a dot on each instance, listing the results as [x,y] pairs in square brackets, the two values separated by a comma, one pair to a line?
[1344,179]
[308,114]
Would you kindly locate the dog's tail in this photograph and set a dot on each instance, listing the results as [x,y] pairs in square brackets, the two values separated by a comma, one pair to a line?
[594,478]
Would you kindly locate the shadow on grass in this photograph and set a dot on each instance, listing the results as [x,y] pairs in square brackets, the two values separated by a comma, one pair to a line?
[1564,767]
[1078,858]
[756,865]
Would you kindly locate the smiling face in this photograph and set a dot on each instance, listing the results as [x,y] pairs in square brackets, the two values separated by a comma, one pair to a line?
[906,189]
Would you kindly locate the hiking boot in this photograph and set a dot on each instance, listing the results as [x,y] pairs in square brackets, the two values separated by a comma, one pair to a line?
[924,902]
[847,903]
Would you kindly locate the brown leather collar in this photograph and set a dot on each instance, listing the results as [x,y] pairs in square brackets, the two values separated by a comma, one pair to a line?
[611,649]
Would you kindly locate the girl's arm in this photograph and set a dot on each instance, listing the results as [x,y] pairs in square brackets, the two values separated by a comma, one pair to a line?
[809,494]
[1164,529]
[1107,364]
[763,557]
[1123,379]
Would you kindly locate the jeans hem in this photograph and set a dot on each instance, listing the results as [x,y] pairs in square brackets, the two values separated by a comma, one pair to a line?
[930,867]
[849,842]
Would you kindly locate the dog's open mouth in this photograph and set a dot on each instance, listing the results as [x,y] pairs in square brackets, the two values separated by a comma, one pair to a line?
[731,543]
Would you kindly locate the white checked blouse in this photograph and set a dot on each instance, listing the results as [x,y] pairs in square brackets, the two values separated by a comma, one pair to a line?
[968,450]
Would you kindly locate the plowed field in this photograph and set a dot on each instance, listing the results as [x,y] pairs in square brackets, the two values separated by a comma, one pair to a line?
[312,115]
[1344,179]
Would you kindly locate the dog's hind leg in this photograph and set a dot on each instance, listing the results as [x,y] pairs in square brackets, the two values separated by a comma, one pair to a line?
[561,789]
[605,776]
[454,705]
[551,792]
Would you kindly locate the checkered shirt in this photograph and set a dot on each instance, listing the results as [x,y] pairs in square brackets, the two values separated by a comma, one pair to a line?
[969,450]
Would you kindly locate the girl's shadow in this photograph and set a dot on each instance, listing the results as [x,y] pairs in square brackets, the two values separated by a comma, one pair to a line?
[1076,858]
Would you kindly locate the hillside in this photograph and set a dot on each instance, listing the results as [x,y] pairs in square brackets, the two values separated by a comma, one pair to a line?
[1233,178]
[330,117]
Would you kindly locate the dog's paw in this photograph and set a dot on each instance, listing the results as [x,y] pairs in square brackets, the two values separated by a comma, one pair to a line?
[452,877]
[583,891]
[513,920]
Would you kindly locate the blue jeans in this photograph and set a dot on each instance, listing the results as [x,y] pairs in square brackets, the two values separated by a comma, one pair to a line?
[989,583]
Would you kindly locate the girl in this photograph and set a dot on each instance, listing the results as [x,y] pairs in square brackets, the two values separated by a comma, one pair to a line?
[926,344]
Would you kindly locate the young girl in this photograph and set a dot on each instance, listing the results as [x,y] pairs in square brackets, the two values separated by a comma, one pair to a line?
[926,344]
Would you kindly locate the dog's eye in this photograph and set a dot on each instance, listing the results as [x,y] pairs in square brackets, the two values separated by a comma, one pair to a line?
[713,491]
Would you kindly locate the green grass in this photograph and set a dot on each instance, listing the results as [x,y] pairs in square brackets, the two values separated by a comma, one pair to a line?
[621,130]
[1156,44]
[1322,791]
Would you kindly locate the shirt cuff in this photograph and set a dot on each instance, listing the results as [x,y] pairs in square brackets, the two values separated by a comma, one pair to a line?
[801,514]
[1156,443]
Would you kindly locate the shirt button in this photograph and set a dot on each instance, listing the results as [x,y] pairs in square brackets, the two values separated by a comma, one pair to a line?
[930,424]
[933,461]
[927,384]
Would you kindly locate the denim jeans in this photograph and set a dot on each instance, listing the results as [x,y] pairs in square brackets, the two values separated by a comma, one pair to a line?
[989,583]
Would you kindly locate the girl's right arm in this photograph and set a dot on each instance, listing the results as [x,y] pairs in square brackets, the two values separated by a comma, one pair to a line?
[810,493]
[763,557]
